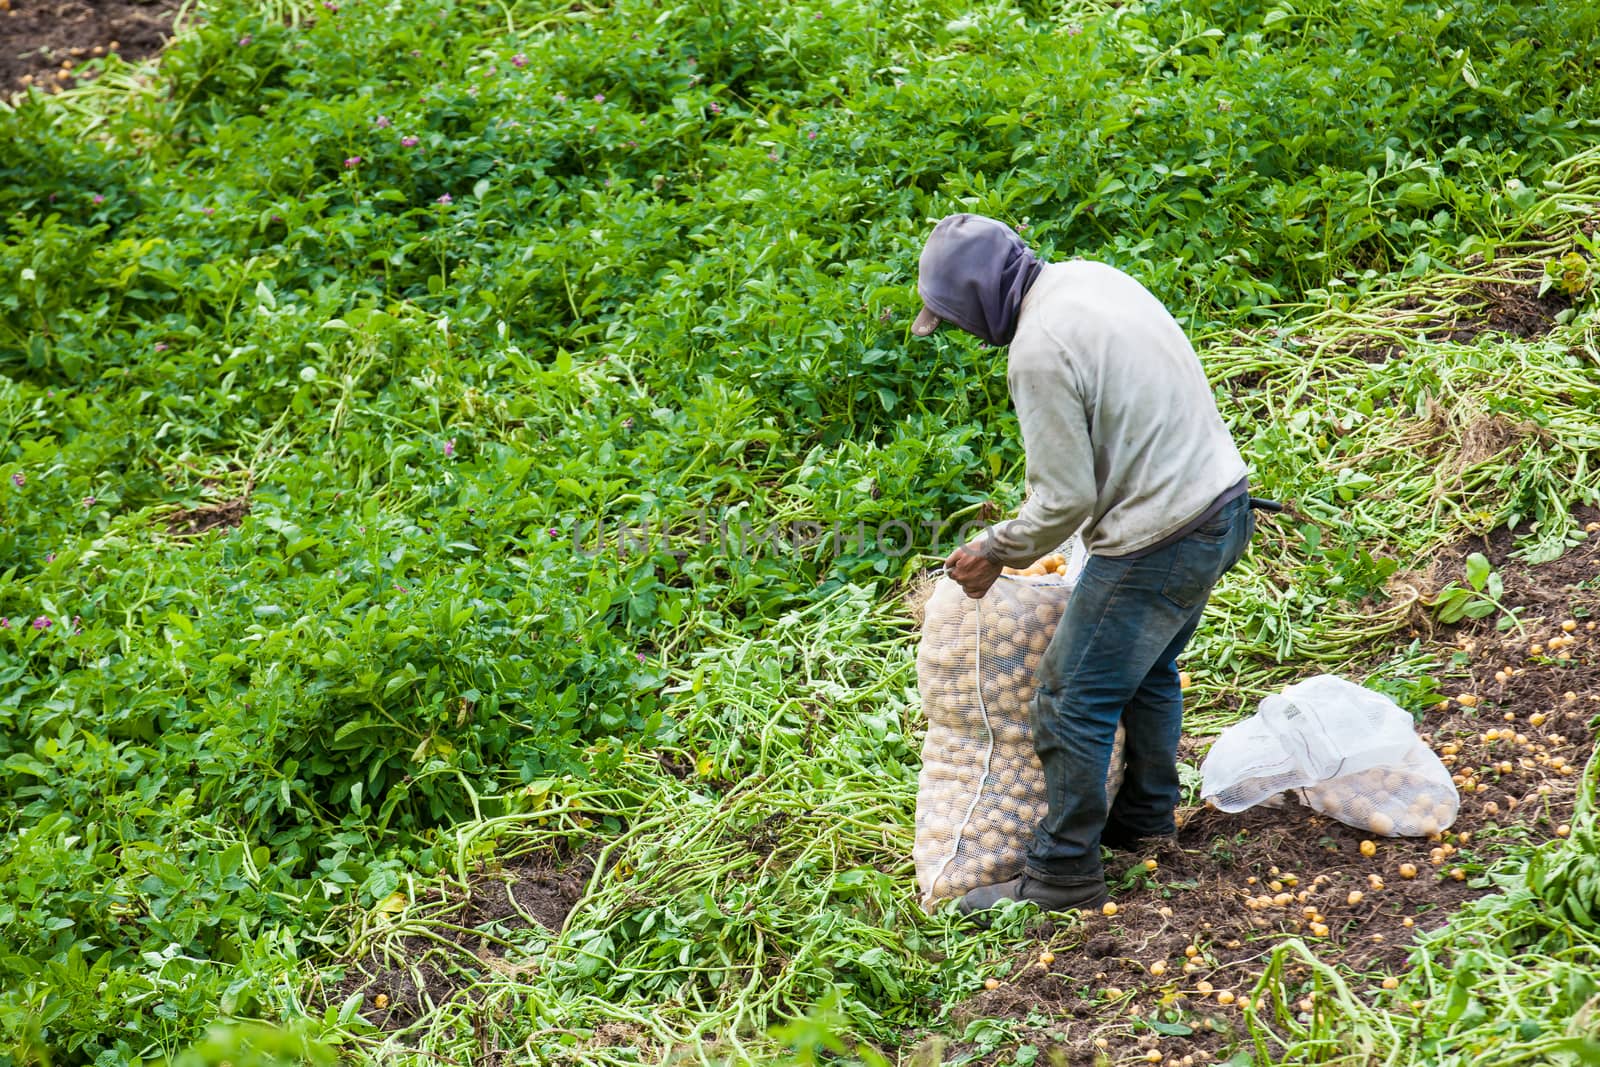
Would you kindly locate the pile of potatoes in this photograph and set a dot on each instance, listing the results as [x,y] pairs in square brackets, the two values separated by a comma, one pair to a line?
[981,791]
[1414,800]
[1053,564]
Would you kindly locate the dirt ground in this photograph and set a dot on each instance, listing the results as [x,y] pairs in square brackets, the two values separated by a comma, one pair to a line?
[1193,929]
[401,978]
[45,43]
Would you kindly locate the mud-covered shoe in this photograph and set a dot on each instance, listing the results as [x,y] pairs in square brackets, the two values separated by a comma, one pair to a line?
[1062,894]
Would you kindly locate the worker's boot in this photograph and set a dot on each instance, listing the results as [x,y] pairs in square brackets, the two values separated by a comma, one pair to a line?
[1058,894]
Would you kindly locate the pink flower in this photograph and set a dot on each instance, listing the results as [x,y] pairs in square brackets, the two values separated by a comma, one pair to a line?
[714,107]
[1021,226]
[639,656]
[208,211]
[1073,31]
[49,557]
[773,156]
[331,6]
[42,623]
[519,60]
[560,98]
[811,135]
[408,142]
[382,122]
[553,532]
[450,447]
[352,163]
[19,479]
[599,98]
[446,199]
[97,199]
[5,623]
[161,346]
[88,501]
[244,42]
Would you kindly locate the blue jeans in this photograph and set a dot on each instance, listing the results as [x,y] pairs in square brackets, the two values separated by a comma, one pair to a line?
[1114,659]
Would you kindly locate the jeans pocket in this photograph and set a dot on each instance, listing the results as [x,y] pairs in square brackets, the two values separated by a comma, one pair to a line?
[1194,571]
[1215,529]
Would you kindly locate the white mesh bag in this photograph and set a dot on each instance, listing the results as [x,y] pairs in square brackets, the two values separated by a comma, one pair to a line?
[981,791]
[1353,755]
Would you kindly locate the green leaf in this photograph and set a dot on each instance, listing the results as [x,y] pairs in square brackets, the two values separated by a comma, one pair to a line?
[1478,570]
[1169,1029]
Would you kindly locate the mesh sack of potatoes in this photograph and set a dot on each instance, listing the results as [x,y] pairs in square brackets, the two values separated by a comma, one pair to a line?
[1411,798]
[981,792]
[1351,753]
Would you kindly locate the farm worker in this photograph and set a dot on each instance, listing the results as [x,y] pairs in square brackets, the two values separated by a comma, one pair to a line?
[1125,447]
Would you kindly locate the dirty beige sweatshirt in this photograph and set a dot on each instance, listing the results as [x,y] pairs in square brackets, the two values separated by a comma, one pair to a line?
[1122,434]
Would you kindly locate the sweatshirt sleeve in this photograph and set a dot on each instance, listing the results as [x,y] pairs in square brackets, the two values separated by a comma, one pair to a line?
[1060,460]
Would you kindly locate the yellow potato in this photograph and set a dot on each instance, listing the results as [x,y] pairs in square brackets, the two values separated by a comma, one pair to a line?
[1381,823]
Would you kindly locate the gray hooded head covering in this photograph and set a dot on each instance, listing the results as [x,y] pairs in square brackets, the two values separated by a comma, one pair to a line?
[974,272]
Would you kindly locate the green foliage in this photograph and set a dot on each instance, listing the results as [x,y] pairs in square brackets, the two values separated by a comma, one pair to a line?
[255,1046]
[435,312]
[1481,597]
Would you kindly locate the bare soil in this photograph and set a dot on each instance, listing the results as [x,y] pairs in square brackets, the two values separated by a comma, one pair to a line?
[225,514]
[1516,732]
[37,37]
[400,980]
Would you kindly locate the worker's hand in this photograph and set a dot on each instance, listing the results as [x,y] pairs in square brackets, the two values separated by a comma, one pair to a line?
[974,571]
